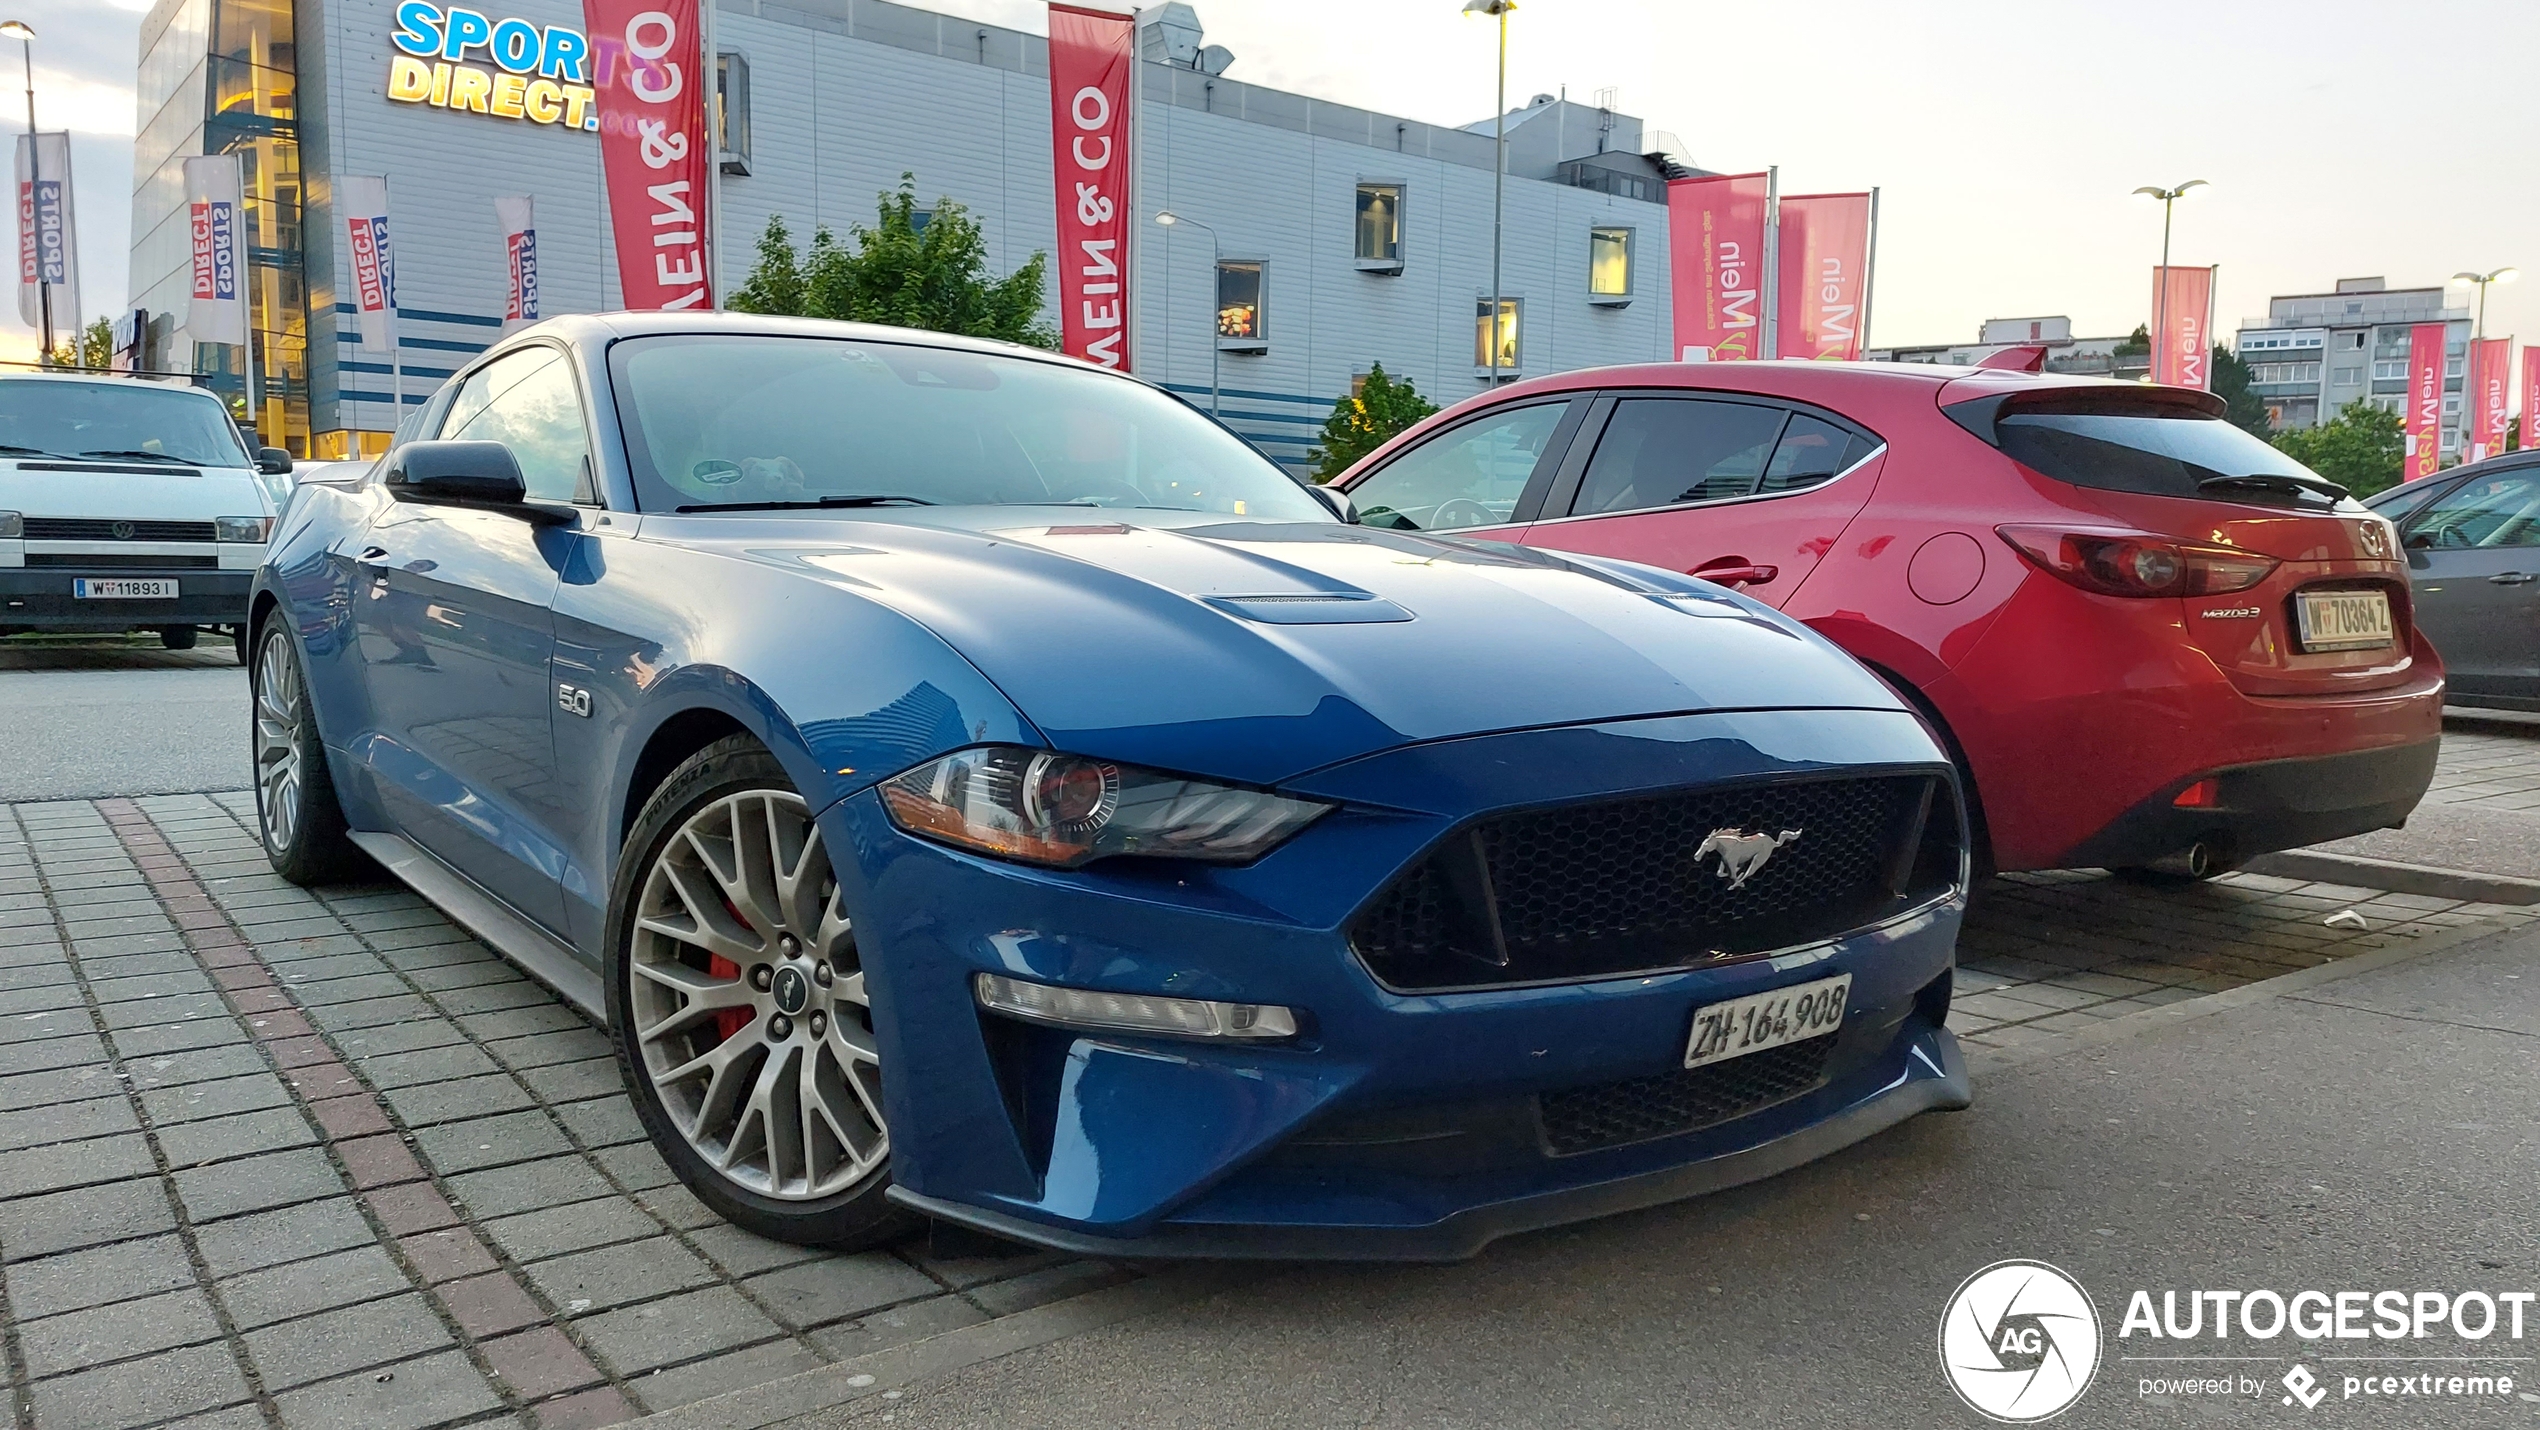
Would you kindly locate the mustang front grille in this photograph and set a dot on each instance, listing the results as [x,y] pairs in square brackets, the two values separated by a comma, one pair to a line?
[84,528]
[1616,1114]
[1676,881]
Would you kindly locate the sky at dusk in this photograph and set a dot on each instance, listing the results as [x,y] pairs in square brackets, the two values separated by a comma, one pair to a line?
[2340,138]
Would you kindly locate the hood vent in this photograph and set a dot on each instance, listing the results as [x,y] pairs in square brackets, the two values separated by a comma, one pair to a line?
[1311,608]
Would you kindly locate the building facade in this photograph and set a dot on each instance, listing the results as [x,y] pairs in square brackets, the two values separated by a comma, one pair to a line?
[2120,358]
[1341,237]
[2313,353]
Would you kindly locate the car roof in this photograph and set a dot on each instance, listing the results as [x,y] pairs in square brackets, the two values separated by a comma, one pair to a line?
[1831,383]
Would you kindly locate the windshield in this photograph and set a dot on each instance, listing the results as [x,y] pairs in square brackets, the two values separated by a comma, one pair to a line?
[117,421]
[2155,448]
[737,421]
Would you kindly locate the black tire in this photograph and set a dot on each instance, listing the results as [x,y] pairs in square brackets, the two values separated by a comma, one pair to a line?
[298,818]
[758,1194]
[177,637]
[238,642]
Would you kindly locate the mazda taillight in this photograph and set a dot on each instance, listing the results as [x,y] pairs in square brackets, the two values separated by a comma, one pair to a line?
[2137,563]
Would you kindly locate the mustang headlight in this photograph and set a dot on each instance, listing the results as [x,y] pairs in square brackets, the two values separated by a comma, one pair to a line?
[1047,808]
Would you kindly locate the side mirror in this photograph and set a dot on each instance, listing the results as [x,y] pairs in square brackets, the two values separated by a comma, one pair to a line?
[273,462]
[469,474]
[1336,499]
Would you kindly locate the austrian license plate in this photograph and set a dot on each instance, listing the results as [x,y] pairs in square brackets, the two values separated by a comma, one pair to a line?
[1767,1020]
[121,588]
[2343,620]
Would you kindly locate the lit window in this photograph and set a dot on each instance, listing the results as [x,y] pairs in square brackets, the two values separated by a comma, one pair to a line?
[1380,224]
[1240,320]
[1609,262]
[1509,313]
[732,111]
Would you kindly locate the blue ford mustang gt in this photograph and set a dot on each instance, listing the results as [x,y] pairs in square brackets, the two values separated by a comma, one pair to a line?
[972,784]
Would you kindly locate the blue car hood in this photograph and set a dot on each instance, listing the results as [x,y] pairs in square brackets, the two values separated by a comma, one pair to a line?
[1257,651]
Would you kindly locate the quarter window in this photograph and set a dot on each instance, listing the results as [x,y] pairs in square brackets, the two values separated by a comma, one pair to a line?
[1380,223]
[527,402]
[1610,262]
[1662,451]
[1812,451]
[1469,476]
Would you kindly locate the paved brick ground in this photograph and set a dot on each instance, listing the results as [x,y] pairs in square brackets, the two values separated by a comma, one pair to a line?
[270,1157]
[2488,764]
[281,1158]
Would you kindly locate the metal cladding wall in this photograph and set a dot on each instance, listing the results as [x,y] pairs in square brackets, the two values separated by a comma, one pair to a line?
[846,95]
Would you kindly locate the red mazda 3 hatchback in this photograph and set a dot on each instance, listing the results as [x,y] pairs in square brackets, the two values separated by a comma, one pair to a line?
[2152,640]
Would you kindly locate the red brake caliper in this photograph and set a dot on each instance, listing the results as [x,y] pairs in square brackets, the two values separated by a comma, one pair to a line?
[729,1020]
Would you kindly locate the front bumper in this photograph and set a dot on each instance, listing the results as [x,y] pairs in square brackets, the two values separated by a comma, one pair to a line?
[1152,1146]
[40,599]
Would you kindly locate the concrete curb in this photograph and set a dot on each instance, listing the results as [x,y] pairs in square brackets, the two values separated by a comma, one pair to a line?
[2396,877]
[872,1375]
[2133,1025]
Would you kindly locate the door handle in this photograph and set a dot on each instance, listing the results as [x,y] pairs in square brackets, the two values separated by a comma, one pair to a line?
[373,553]
[2513,578]
[1735,571]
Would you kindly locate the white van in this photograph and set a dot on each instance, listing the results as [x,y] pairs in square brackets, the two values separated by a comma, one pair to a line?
[128,505]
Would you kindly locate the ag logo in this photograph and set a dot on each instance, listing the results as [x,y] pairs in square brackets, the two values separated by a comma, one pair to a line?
[2019,1342]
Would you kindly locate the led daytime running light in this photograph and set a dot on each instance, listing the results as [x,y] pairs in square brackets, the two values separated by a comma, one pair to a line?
[1130,1012]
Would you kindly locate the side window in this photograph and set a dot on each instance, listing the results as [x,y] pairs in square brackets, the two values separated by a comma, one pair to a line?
[1661,451]
[1811,451]
[2503,510]
[529,404]
[1471,475]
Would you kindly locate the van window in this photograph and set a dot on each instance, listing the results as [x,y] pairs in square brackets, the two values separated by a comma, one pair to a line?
[127,421]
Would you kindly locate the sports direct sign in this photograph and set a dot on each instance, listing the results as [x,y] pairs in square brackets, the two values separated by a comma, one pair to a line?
[503,69]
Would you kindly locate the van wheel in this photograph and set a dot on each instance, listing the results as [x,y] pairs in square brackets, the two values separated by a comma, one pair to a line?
[238,642]
[177,637]
[737,1000]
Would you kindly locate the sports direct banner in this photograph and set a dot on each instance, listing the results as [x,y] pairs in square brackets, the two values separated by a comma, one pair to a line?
[2487,395]
[1715,256]
[48,236]
[516,215]
[648,66]
[362,199]
[1825,258]
[2183,326]
[2423,455]
[1091,100]
[217,223]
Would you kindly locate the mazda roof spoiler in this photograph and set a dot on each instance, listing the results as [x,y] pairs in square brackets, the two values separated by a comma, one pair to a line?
[1979,414]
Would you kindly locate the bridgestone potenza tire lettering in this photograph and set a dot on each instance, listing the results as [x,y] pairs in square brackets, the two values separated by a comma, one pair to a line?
[737,1007]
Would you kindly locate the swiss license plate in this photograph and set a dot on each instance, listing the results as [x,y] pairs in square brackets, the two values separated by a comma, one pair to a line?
[121,588]
[1767,1020]
[2343,620]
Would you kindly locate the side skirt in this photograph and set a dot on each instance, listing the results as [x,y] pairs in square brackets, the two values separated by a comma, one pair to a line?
[539,953]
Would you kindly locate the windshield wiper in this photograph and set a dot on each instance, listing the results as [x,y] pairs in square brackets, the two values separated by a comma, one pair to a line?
[877,500]
[137,455]
[10,450]
[2285,482]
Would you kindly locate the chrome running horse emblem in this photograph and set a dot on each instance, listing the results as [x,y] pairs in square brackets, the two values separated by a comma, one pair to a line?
[1742,855]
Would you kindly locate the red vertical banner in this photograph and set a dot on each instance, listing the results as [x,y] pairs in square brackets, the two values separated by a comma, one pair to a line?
[1825,258]
[1093,77]
[2183,326]
[2530,397]
[649,67]
[2423,454]
[1715,260]
[2486,397]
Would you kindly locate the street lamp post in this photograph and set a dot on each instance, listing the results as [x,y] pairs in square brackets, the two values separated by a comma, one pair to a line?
[2161,290]
[1498,10]
[2501,275]
[1170,219]
[24,34]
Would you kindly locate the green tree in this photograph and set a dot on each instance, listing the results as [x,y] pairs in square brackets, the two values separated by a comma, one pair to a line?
[91,346]
[2243,408]
[1364,420]
[910,269]
[2359,448]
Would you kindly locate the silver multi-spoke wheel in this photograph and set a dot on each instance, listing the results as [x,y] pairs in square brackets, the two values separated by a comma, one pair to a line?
[277,742]
[749,1002]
